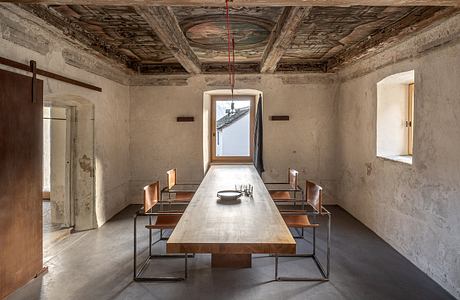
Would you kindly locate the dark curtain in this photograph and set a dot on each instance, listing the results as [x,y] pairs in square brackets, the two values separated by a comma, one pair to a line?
[258,139]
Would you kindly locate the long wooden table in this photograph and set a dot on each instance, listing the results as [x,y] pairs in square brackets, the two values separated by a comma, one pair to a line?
[231,232]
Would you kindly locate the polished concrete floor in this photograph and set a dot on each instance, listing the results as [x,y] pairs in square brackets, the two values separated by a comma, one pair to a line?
[98,265]
[52,233]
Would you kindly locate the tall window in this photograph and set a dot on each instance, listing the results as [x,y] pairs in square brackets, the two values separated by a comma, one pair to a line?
[232,128]
[395,117]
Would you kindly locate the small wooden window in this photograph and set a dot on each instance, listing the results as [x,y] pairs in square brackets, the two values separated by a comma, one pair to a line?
[410,119]
[232,133]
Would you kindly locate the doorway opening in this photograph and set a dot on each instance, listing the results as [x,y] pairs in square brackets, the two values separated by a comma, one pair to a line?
[68,170]
[232,127]
[58,214]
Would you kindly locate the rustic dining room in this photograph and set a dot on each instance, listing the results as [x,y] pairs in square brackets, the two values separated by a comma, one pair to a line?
[229,149]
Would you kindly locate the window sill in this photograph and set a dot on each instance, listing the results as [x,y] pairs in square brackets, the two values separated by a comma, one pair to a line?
[231,163]
[405,159]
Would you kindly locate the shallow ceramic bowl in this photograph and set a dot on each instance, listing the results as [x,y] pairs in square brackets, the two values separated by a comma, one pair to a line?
[229,195]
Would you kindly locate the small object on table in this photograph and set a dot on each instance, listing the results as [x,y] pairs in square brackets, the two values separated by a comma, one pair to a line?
[248,189]
[229,195]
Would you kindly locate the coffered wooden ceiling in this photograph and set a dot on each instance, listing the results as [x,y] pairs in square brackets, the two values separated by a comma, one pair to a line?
[192,39]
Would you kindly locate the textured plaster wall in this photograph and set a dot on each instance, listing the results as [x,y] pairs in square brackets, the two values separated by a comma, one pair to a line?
[306,142]
[415,208]
[23,38]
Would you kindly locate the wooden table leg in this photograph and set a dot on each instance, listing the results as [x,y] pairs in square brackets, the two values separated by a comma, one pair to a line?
[219,260]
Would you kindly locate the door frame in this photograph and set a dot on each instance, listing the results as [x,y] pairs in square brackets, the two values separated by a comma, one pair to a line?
[232,159]
[70,154]
[83,166]
[69,204]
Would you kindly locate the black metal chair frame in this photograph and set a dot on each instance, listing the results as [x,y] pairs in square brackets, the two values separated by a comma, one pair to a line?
[170,203]
[169,191]
[295,191]
[324,271]
[137,275]
[294,200]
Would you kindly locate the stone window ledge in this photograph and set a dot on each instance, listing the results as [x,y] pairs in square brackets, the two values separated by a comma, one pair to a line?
[405,159]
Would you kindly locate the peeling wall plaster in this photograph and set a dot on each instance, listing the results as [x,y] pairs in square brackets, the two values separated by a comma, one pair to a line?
[416,209]
[111,106]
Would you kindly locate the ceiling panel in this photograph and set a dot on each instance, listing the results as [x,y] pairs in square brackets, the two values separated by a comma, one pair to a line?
[205,29]
[121,27]
[329,30]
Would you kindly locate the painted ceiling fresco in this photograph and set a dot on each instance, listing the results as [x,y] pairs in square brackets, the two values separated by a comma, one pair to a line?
[328,30]
[323,34]
[122,28]
[205,30]
[211,32]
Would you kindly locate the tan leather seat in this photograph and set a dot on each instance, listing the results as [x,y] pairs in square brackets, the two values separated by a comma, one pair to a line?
[184,196]
[280,195]
[151,197]
[164,222]
[172,181]
[296,218]
[300,221]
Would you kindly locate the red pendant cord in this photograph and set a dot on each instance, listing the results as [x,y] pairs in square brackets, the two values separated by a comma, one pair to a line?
[228,40]
[233,64]
[231,50]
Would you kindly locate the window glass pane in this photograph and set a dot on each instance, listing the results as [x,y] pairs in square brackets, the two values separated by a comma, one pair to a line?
[232,128]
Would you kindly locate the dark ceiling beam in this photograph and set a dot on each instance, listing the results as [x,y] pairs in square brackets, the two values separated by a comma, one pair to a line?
[171,68]
[164,23]
[419,18]
[282,36]
[222,68]
[250,2]
[287,67]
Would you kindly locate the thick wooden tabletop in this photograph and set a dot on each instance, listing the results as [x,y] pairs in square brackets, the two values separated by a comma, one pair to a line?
[254,225]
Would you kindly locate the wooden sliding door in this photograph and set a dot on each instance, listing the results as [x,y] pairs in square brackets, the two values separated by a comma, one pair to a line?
[21,129]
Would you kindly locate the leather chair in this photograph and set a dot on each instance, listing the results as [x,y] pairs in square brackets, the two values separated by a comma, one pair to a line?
[302,219]
[163,220]
[288,194]
[181,196]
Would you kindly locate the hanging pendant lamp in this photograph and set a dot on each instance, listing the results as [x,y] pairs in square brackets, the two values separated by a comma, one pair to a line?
[231,59]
